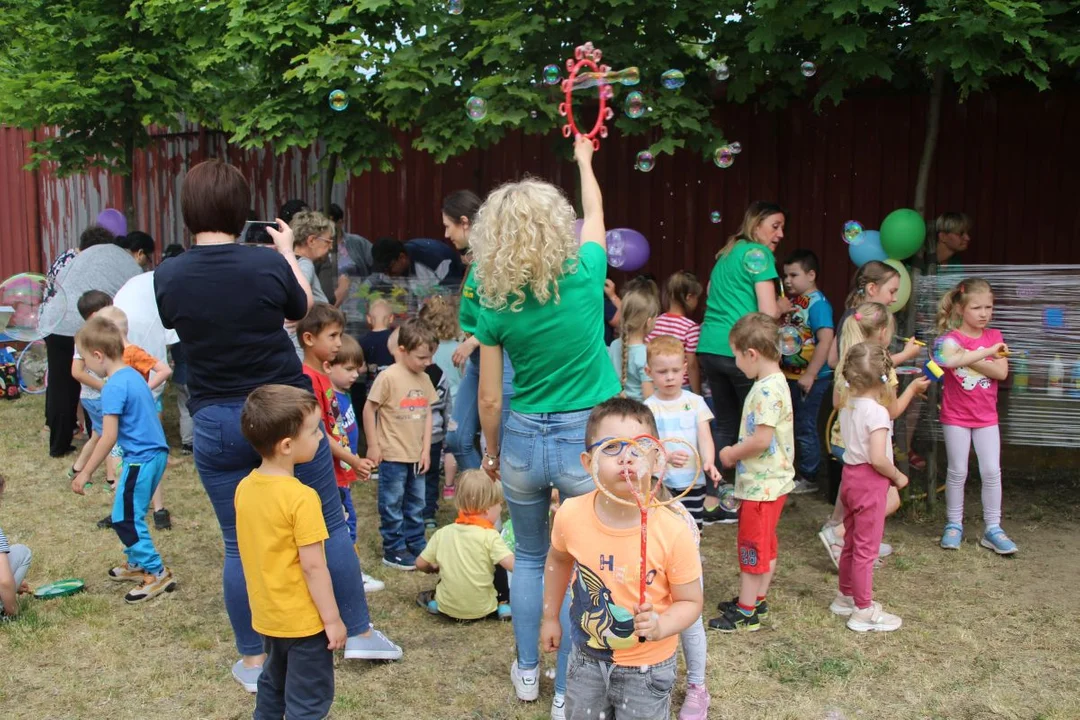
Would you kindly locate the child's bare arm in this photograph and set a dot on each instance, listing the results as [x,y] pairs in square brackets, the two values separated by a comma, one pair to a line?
[821,353]
[993,368]
[343,454]
[110,428]
[78,371]
[707,449]
[647,389]
[685,609]
[559,566]
[424,566]
[373,452]
[879,458]
[751,446]
[161,372]
[8,590]
[834,352]
[507,563]
[317,577]
[959,357]
[425,454]
[693,372]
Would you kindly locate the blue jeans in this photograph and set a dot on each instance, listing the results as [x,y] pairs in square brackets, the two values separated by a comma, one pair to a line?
[350,511]
[465,418]
[401,508]
[131,501]
[223,458]
[807,440]
[431,482]
[539,452]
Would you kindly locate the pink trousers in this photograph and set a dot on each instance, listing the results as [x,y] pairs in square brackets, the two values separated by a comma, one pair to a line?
[864,491]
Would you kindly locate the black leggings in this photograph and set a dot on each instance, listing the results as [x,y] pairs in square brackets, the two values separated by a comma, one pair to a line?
[729,388]
[62,394]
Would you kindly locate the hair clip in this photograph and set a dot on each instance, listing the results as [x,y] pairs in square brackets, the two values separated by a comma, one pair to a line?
[884,378]
[961,288]
[858,317]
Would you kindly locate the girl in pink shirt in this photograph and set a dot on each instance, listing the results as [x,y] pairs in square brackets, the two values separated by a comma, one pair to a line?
[974,358]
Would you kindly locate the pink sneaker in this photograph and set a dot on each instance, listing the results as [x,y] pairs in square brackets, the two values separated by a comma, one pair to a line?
[448,492]
[696,705]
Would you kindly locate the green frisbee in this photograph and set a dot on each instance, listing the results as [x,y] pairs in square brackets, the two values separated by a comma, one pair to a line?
[60,588]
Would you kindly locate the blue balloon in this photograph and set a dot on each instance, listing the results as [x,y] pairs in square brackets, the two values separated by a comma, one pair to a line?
[869,249]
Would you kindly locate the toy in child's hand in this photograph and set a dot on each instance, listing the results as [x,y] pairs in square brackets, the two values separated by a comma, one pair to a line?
[915,340]
[728,501]
[60,588]
[645,461]
[933,371]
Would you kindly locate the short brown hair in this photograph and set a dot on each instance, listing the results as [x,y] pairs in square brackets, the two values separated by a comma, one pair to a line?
[101,335]
[415,333]
[619,407]
[319,317]
[756,331]
[91,302]
[307,223]
[350,353]
[273,413]
[215,198]
[476,492]
[664,345]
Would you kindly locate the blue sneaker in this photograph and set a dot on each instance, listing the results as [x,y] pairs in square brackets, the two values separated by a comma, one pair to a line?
[400,560]
[953,536]
[504,611]
[995,539]
[426,600]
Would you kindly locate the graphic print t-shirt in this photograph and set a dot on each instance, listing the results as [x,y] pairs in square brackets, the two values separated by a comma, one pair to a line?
[969,398]
[769,475]
[331,415]
[812,312]
[404,399]
[604,588]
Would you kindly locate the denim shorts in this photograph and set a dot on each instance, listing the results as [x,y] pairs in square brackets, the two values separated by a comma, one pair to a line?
[597,689]
[93,409]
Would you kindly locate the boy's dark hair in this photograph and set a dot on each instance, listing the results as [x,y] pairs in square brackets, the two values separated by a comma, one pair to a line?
[385,251]
[135,241]
[459,204]
[756,331]
[415,333]
[215,197]
[101,335]
[350,353]
[806,259]
[171,251]
[95,235]
[319,317]
[335,213]
[622,407]
[290,208]
[273,413]
[91,301]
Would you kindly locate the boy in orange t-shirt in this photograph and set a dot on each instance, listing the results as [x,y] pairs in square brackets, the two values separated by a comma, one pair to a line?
[623,653]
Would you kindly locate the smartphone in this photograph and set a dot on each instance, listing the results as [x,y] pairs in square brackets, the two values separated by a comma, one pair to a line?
[255,232]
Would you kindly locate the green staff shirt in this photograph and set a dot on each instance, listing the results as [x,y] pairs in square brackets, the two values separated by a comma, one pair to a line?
[469,307]
[557,349]
[732,294]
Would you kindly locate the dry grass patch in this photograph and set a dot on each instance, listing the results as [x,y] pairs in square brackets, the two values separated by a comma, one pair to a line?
[983,637]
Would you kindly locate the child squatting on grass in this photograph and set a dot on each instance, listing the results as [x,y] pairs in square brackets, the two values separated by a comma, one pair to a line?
[470,556]
[280,532]
[14,564]
[623,659]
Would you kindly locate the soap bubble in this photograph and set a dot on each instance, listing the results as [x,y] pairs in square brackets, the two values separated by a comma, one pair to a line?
[724,157]
[635,105]
[736,147]
[790,341]
[615,243]
[455,7]
[673,79]
[645,161]
[23,299]
[728,501]
[339,100]
[714,216]
[853,232]
[723,72]
[808,69]
[476,107]
[755,261]
[551,74]
[533,114]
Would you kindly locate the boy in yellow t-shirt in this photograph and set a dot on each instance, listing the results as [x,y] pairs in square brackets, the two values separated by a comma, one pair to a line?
[622,663]
[763,459]
[280,533]
[470,556]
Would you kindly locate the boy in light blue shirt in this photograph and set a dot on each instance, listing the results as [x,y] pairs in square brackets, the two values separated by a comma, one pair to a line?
[130,419]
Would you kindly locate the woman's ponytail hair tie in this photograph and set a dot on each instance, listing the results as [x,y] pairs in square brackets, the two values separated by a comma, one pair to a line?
[858,317]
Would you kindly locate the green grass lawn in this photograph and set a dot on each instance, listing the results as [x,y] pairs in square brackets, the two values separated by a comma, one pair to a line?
[983,636]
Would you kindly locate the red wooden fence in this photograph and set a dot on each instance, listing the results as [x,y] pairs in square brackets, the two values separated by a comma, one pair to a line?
[1008,158]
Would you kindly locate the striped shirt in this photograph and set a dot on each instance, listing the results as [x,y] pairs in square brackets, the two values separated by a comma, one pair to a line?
[682,329]
[679,419]
[4,547]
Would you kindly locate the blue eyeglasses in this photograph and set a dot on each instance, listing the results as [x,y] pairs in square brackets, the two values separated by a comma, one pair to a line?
[638,446]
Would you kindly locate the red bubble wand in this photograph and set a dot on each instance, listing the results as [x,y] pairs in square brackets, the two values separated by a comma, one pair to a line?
[586,57]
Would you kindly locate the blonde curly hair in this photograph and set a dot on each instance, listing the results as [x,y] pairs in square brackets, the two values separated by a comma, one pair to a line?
[522,240]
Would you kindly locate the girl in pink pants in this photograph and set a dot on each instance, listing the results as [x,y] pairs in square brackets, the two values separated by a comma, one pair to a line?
[866,427]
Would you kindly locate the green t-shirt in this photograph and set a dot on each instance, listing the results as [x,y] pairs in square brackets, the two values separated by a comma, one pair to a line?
[732,294]
[557,349]
[469,307]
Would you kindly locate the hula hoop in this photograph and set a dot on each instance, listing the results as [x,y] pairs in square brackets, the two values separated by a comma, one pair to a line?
[585,56]
[34,389]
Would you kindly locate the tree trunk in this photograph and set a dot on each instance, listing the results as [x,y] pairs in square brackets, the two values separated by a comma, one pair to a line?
[129,181]
[933,124]
[328,185]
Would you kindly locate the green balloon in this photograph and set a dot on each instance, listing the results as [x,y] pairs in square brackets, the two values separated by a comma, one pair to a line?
[902,233]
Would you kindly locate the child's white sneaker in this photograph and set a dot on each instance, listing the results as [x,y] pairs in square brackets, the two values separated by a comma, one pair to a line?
[842,605]
[526,682]
[372,584]
[873,619]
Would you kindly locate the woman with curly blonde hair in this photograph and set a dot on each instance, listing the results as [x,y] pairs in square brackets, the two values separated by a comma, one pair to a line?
[542,300]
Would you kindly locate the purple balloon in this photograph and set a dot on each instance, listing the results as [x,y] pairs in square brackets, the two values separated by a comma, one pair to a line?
[628,250]
[113,220]
[577,228]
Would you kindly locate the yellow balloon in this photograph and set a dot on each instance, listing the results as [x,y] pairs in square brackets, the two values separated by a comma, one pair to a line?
[904,293]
